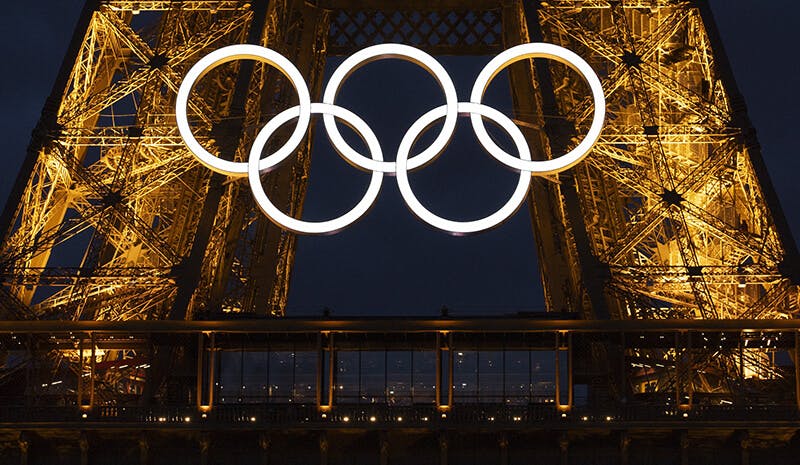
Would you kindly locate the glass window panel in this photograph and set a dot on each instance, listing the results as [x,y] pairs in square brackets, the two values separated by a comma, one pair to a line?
[305,377]
[563,377]
[325,393]
[398,377]
[543,376]
[229,381]
[490,376]
[424,377]
[445,358]
[347,385]
[254,376]
[281,374]
[465,376]
[373,377]
[517,372]
[581,393]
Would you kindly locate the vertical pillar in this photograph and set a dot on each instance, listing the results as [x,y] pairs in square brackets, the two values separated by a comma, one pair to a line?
[92,364]
[205,445]
[323,448]
[212,369]
[144,449]
[384,448]
[264,443]
[558,371]
[443,446]
[200,370]
[679,369]
[83,442]
[683,370]
[326,370]
[570,399]
[80,372]
[206,364]
[564,349]
[24,444]
[503,443]
[797,368]
[563,446]
[444,370]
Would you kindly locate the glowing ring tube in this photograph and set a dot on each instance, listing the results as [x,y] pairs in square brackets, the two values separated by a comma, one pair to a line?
[310,227]
[562,55]
[462,227]
[402,52]
[225,55]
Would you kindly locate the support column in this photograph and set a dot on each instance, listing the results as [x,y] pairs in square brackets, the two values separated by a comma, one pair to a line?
[326,371]
[144,449]
[503,443]
[444,371]
[323,448]
[92,366]
[24,444]
[563,446]
[264,443]
[797,368]
[83,442]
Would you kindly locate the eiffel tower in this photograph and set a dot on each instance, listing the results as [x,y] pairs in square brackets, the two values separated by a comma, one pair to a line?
[113,230]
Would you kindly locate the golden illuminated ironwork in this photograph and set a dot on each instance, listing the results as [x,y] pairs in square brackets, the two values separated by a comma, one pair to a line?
[671,216]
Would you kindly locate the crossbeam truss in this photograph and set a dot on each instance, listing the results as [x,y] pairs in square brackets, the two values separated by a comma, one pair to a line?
[671,216]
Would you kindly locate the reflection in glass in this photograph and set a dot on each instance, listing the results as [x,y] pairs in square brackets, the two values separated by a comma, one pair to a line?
[543,376]
[424,377]
[305,377]
[465,376]
[398,377]
[490,376]
[346,380]
[373,377]
[517,377]
[281,376]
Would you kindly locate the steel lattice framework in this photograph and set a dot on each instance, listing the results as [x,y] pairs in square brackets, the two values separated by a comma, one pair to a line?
[673,215]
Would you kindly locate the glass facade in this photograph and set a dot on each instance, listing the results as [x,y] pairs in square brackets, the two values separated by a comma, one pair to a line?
[248,376]
[390,377]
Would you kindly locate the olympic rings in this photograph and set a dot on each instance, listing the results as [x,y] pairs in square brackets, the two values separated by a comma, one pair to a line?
[403,52]
[307,227]
[257,165]
[463,227]
[562,55]
[225,55]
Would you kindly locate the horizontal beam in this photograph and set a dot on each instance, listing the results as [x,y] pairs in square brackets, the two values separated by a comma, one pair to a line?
[395,325]
[421,418]
[408,5]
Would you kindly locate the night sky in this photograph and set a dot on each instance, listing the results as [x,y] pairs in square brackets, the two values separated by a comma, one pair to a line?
[391,263]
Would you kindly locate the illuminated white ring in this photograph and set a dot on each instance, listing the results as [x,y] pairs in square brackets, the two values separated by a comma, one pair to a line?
[314,227]
[402,52]
[462,227]
[562,55]
[225,55]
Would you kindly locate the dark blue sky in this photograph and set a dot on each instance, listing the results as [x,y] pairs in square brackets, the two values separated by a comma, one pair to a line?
[390,262]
